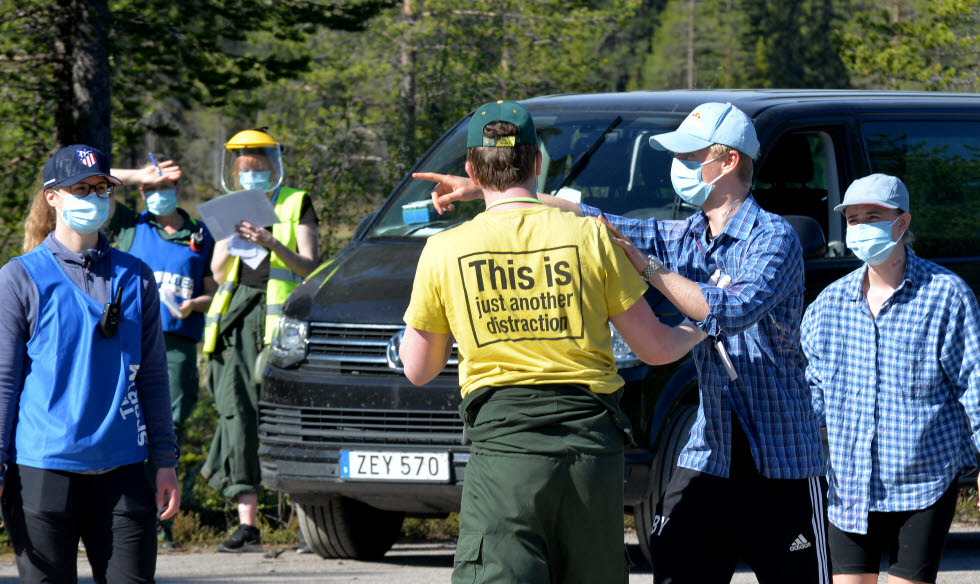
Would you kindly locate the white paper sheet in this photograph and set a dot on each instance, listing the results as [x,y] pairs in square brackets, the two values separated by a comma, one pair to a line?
[223,213]
[168,300]
[251,253]
[566,193]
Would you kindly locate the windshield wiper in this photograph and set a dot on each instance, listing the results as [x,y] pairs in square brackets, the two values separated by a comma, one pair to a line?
[579,164]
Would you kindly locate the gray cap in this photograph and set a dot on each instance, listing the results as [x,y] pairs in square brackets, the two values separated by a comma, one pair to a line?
[876,189]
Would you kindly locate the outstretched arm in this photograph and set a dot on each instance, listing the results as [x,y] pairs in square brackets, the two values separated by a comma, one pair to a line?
[149,174]
[685,294]
[450,188]
[651,340]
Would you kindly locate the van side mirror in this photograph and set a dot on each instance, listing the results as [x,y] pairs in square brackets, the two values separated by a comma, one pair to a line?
[363,224]
[811,235]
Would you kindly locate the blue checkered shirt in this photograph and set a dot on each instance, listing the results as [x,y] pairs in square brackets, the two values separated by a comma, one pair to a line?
[757,319]
[896,392]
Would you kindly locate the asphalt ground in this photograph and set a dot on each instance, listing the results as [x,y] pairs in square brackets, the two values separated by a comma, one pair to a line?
[423,563]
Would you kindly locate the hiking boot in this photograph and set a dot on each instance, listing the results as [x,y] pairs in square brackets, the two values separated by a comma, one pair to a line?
[245,539]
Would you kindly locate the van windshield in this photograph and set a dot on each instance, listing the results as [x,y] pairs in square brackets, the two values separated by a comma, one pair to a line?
[603,159]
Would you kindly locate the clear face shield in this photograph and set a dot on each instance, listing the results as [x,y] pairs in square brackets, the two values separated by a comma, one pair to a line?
[251,168]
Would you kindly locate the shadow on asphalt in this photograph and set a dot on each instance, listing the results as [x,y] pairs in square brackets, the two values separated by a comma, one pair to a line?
[962,552]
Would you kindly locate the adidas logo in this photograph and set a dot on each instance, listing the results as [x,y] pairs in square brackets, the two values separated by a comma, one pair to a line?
[800,544]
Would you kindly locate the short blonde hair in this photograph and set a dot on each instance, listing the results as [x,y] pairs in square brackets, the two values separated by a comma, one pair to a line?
[744,169]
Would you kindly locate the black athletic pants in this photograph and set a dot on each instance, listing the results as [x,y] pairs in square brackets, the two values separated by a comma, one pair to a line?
[706,523]
[46,512]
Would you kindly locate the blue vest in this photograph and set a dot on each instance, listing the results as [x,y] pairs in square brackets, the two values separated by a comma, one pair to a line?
[177,268]
[79,408]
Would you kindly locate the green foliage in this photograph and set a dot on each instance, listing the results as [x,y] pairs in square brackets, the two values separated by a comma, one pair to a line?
[167,58]
[446,528]
[27,42]
[966,508]
[915,44]
[453,58]
[709,44]
[694,46]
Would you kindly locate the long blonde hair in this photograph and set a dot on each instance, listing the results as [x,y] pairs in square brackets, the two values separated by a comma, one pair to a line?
[41,219]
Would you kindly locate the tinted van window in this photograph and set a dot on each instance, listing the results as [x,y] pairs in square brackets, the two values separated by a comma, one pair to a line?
[939,161]
[598,158]
[793,180]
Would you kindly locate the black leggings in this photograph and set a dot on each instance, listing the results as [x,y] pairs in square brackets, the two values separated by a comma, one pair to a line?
[46,512]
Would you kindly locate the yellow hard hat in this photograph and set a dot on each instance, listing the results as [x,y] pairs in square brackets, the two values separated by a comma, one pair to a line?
[251,139]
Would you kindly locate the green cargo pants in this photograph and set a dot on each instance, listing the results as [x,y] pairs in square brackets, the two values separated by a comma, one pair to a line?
[232,465]
[543,490]
[184,379]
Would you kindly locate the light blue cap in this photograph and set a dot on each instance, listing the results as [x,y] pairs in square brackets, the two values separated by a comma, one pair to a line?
[876,189]
[711,123]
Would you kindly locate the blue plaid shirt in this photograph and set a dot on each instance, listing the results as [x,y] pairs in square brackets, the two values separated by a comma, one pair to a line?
[896,392]
[757,319]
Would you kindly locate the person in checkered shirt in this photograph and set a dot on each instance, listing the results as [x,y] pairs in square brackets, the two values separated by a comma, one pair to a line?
[893,351]
[749,482]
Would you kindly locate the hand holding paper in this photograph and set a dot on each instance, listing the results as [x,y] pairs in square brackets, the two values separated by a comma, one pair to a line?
[223,214]
[168,300]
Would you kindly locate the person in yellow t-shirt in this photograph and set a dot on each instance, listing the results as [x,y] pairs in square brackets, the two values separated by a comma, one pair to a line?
[527,292]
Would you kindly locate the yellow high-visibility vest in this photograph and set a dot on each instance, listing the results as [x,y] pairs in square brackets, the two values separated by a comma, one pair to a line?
[282,280]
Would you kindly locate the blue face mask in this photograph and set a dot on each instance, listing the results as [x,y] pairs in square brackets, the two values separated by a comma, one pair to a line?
[255,179]
[871,242]
[161,203]
[84,214]
[685,175]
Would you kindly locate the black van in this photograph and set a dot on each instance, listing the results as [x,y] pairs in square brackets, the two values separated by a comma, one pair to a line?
[357,447]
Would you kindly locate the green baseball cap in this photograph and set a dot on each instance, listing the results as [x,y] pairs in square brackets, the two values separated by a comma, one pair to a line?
[503,111]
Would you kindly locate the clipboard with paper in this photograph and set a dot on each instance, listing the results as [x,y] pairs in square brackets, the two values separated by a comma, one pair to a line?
[223,213]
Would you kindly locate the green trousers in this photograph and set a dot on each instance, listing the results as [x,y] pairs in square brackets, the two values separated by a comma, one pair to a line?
[543,490]
[184,379]
[232,465]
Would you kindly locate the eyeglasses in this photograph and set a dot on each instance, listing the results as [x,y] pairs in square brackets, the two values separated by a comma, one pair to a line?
[101,190]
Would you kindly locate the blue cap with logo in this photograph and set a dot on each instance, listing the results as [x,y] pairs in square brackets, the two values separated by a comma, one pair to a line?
[711,123]
[876,189]
[75,163]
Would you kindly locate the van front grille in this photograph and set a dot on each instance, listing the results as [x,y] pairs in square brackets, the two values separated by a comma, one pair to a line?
[310,426]
[358,349]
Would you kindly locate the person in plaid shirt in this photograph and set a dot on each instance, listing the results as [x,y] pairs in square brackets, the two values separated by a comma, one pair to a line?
[893,351]
[749,481]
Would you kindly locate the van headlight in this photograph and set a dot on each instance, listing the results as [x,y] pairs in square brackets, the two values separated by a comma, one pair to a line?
[289,343]
[621,351]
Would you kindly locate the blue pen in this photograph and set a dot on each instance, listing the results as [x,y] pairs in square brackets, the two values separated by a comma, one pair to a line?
[154,161]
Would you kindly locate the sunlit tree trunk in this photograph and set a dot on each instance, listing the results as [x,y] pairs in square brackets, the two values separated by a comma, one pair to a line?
[410,11]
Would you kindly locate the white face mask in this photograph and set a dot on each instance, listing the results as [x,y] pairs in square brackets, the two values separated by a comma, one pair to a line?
[84,214]
[161,203]
[255,179]
[872,242]
[685,176]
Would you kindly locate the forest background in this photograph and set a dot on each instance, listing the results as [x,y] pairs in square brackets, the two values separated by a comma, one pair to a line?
[356,90]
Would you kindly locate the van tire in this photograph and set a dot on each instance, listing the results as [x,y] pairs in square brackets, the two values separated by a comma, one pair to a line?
[664,464]
[347,529]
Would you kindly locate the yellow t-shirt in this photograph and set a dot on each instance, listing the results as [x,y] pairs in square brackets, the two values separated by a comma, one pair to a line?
[527,294]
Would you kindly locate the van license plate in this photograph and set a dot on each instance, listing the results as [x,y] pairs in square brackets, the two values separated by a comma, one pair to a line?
[394,466]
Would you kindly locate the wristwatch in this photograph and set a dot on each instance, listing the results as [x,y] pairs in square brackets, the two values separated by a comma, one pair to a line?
[654,265]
